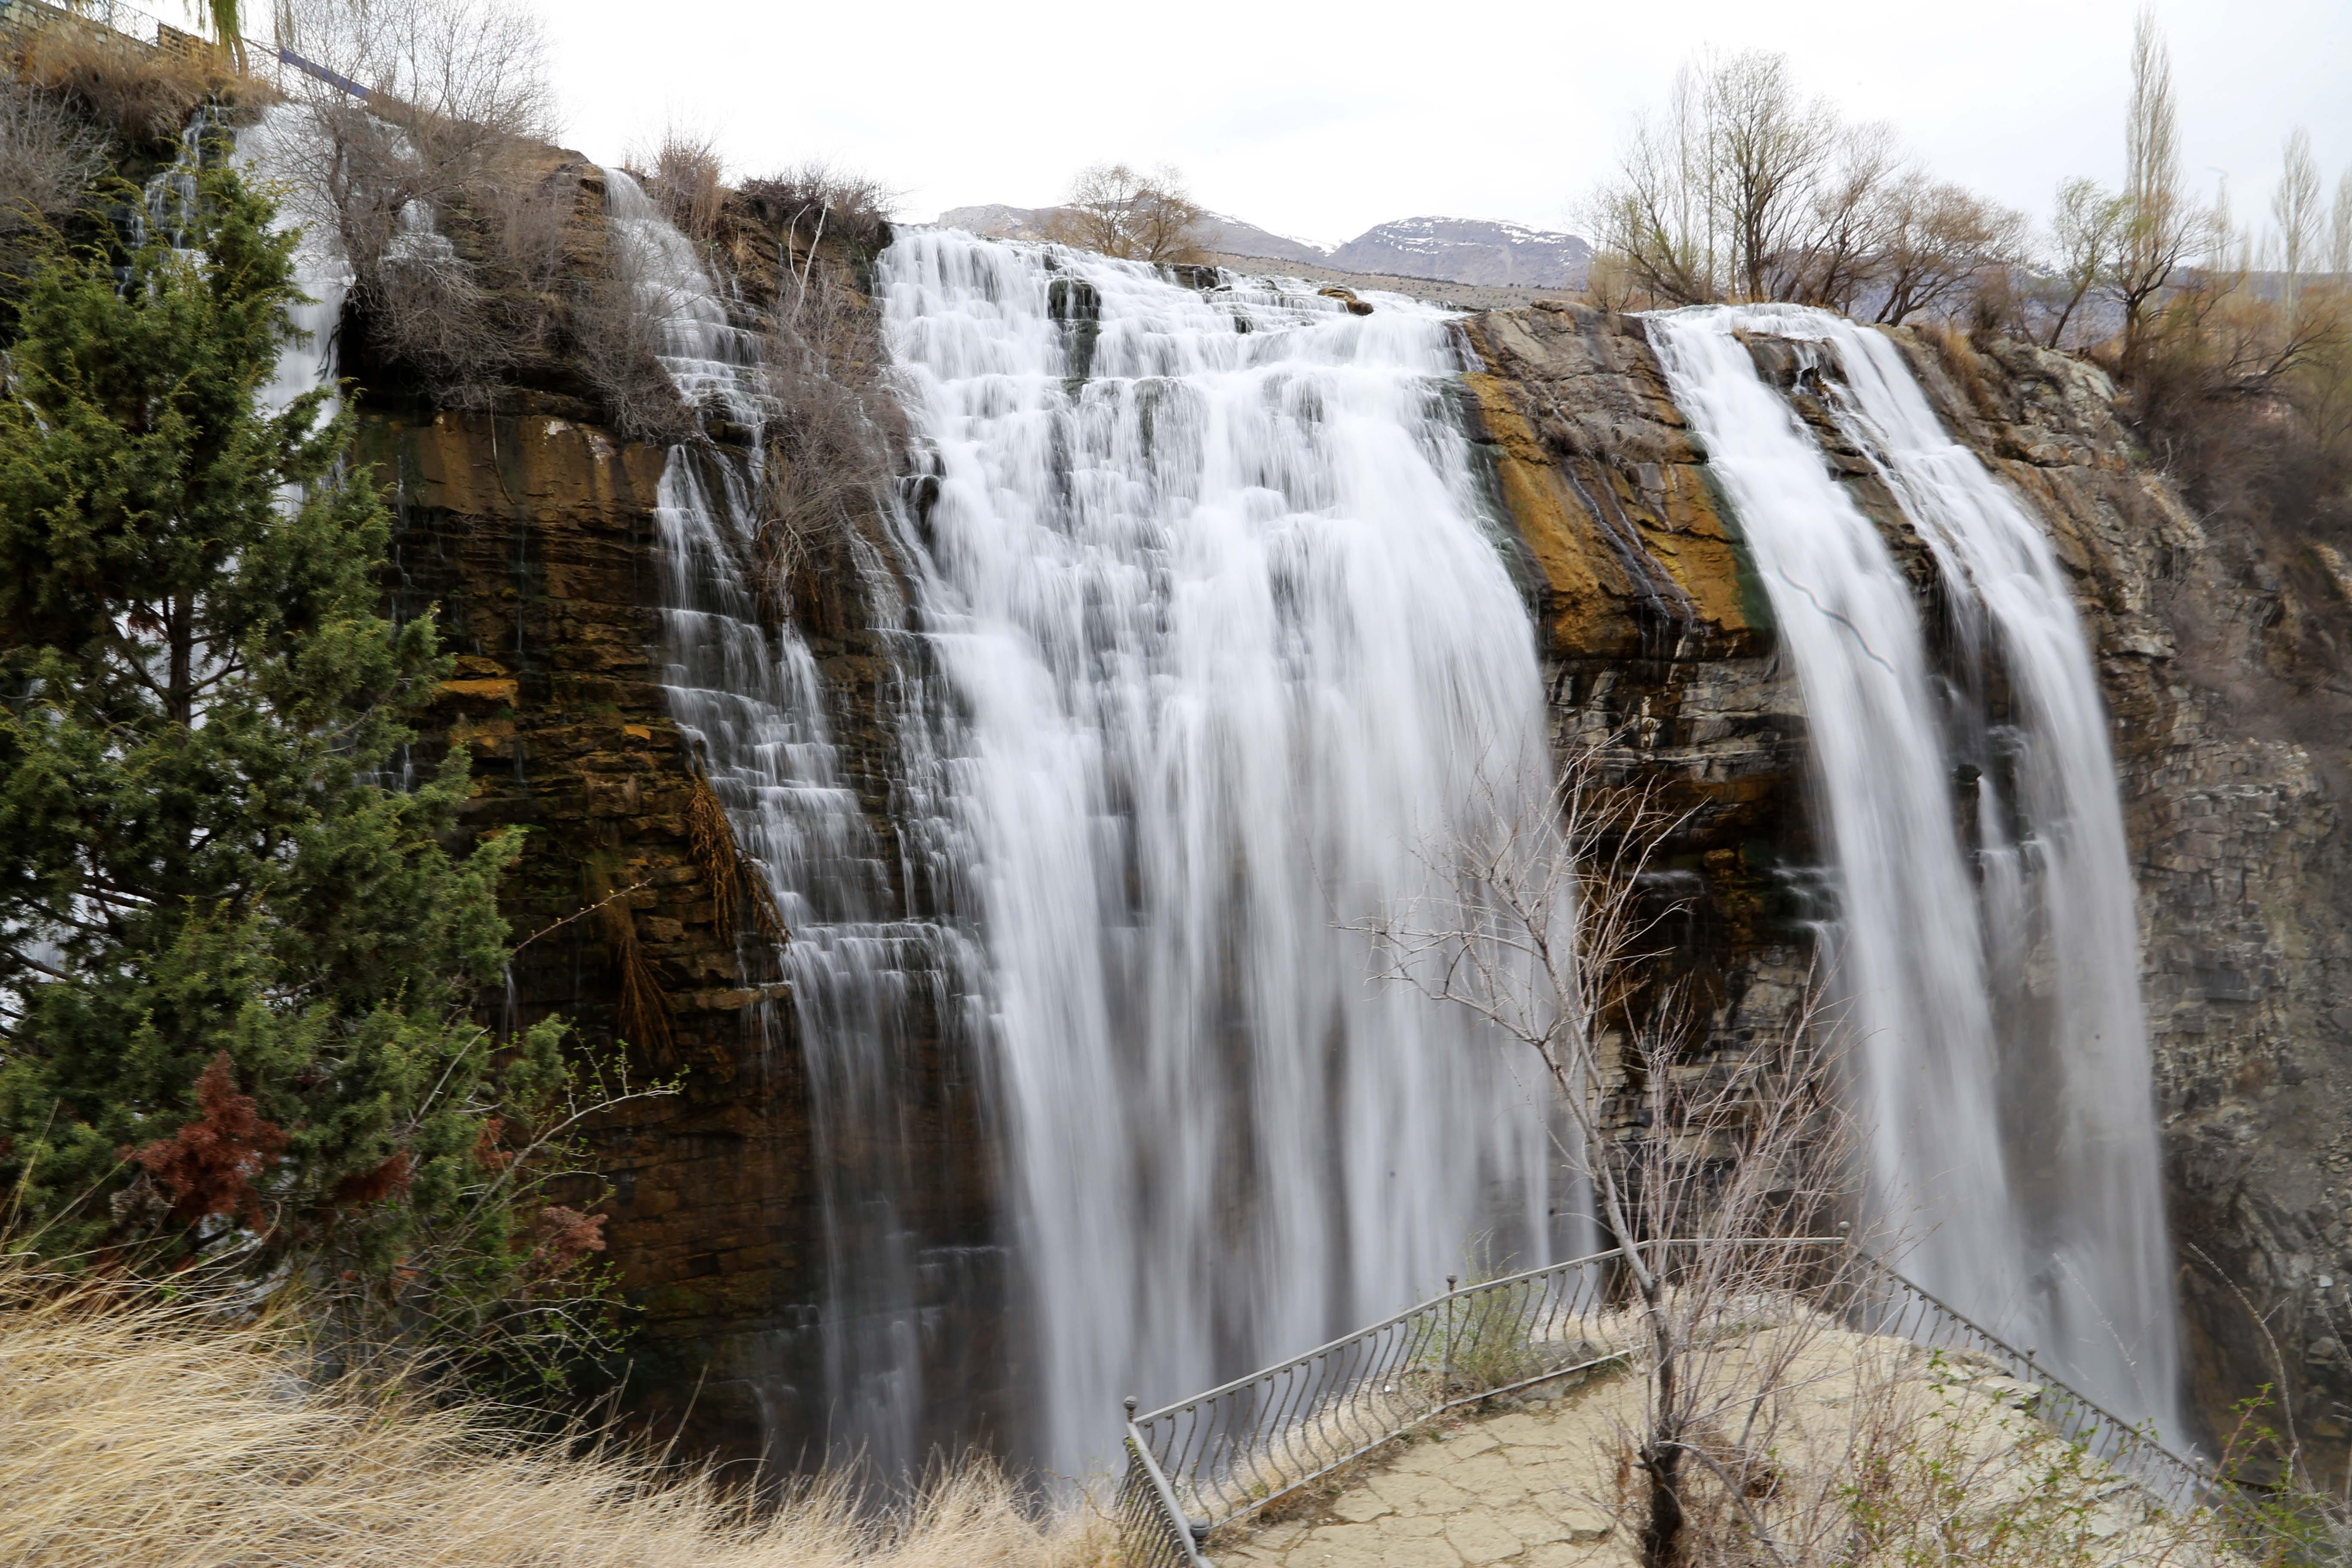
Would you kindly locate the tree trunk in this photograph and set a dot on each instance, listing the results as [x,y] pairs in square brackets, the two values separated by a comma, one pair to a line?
[180,683]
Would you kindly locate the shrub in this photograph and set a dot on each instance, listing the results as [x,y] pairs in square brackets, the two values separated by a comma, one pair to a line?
[682,175]
[814,198]
[47,155]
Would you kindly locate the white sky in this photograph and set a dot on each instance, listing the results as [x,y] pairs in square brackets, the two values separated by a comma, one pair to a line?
[1323,121]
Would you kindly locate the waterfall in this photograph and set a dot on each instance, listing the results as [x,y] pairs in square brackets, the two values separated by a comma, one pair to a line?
[1227,636]
[320,270]
[2001,1059]
[747,695]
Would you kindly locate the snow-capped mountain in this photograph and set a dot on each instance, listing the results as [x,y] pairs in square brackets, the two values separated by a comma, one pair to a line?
[1469,251]
[1447,249]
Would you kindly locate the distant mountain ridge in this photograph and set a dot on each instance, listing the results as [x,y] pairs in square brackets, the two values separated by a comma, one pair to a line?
[1469,251]
[1445,249]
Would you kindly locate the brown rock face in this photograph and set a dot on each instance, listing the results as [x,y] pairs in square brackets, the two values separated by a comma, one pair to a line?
[534,538]
[2219,658]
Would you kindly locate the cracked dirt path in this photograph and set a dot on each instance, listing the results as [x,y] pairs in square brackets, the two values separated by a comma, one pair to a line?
[1522,1488]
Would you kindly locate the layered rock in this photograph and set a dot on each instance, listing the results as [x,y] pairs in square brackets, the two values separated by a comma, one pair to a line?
[534,534]
[2218,657]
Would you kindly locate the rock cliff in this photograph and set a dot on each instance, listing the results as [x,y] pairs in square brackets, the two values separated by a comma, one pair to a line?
[532,531]
[2218,652]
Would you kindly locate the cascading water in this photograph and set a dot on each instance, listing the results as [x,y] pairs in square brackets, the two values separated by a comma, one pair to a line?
[1229,638]
[2080,1105]
[321,269]
[2006,1100]
[747,694]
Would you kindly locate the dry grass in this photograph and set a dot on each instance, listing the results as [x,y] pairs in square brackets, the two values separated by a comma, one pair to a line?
[733,885]
[683,175]
[145,94]
[645,1009]
[154,1436]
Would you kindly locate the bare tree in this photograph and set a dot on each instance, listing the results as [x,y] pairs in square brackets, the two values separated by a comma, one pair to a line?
[1116,211]
[1543,924]
[1841,253]
[2339,232]
[2083,228]
[1938,239]
[1769,146]
[1655,221]
[458,104]
[2297,213]
[1747,188]
[2160,227]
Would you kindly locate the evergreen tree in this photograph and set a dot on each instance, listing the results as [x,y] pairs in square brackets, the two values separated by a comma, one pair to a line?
[234,967]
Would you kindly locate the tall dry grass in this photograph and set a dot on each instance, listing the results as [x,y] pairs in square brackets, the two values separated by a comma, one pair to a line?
[150,1435]
[144,95]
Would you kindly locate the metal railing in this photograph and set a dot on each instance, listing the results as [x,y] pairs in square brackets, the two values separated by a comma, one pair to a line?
[1204,1462]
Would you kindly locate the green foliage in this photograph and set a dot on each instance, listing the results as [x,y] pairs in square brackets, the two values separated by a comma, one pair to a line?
[236,969]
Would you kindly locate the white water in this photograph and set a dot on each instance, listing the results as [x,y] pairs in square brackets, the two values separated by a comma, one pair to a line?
[1228,640]
[265,158]
[750,702]
[2006,1099]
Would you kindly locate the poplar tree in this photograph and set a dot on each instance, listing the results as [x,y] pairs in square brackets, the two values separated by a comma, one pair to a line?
[237,960]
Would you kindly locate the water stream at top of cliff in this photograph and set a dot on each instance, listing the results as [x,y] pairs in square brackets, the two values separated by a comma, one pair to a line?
[1227,639]
[1990,965]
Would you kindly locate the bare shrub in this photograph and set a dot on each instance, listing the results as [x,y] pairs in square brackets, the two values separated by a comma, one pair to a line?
[814,198]
[618,314]
[829,440]
[530,222]
[458,98]
[145,95]
[1115,210]
[682,175]
[48,156]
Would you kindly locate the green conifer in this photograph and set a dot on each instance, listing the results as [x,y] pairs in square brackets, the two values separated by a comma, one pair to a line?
[237,966]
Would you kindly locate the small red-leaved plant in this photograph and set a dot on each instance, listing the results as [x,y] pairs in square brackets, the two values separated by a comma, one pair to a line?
[209,1165]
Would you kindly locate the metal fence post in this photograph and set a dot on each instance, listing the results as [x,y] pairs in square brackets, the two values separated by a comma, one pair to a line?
[1445,1389]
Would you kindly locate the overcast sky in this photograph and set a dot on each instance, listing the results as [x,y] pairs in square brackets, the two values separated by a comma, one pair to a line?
[1323,121]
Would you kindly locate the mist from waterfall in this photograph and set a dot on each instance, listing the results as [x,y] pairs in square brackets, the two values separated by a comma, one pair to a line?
[1992,984]
[1229,639]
